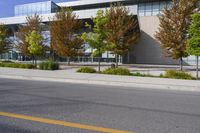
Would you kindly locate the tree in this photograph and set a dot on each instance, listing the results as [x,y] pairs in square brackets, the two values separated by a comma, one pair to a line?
[33,24]
[123,31]
[97,37]
[35,46]
[193,45]
[64,29]
[4,41]
[173,29]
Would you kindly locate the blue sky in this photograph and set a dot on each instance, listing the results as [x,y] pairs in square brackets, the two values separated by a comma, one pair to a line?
[7,6]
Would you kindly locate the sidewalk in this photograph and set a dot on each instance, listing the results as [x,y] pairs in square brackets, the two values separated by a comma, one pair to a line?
[70,76]
[155,70]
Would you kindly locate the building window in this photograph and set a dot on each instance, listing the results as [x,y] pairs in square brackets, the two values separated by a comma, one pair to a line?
[163,5]
[169,4]
[35,8]
[141,9]
[156,8]
[148,9]
[16,11]
[152,8]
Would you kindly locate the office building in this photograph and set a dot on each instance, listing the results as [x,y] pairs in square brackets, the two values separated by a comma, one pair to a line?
[147,51]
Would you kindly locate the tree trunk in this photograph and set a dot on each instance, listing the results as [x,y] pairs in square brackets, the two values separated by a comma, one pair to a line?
[36,62]
[78,59]
[53,56]
[181,63]
[99,64]
[68,61]
[33,59]
[197,68]
[116,56]
[99,61]
[92,57]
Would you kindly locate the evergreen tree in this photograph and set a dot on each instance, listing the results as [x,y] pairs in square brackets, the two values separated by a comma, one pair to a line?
[174,22]
[193,46]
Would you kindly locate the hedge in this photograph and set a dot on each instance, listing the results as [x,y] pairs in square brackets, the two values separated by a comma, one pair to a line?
[177,74]
[117,71]
[49,65]
[17,65]
[86,70]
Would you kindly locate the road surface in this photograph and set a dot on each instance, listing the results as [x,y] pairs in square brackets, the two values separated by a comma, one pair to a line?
[50,107]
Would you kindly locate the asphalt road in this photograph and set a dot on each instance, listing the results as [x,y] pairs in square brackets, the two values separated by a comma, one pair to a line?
[137,110]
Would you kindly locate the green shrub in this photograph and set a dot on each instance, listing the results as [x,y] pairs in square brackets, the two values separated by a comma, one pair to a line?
[49,65]
[142,75]
[117,71]
[162,76]
[17,65]
[177,75]
[86,70]
[139,74]
[6,61]
[43,66]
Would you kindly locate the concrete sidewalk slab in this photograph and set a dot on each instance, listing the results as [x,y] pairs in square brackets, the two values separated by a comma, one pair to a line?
[70,76]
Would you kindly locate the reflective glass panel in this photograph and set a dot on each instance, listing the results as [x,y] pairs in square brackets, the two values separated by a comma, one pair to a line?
[148,9]
[141,9]
[156,8]
[35,8]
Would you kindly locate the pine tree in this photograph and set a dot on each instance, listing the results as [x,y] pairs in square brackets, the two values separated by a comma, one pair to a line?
[173,29]
[122,29]
[64,29]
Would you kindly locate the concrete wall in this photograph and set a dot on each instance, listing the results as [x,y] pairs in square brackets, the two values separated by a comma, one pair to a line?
[148,50]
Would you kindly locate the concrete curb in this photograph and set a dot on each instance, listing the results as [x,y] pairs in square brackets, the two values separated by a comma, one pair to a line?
[107,83]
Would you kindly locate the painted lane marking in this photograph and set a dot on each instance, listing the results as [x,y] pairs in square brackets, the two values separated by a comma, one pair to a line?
[63,123]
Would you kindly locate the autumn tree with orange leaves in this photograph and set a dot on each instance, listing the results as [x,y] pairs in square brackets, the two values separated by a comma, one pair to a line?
[173,30]
[64,29]
[33,24]
[122,30]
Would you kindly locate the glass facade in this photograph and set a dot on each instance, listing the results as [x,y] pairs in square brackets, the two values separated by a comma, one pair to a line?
[35,8]
[152,8]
